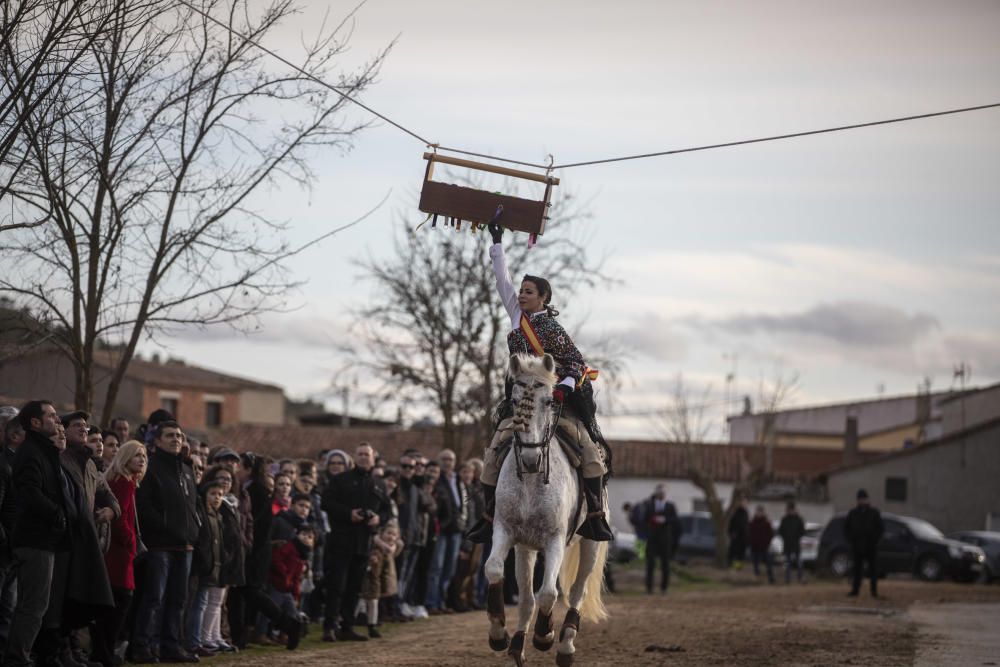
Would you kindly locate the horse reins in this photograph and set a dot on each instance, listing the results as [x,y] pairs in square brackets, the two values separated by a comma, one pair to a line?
[543,444]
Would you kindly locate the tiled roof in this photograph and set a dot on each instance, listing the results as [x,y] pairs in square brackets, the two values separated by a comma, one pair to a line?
[632,458]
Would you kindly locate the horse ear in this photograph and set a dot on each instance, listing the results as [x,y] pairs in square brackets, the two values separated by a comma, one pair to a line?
[515,364]
[549,363]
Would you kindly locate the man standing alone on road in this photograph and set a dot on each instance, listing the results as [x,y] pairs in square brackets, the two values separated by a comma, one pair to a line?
[664,531]
[863,528]
[791,530]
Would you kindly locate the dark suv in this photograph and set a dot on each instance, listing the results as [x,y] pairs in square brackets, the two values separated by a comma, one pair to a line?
[909,545]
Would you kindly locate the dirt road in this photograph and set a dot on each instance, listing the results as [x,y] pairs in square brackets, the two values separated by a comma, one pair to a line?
[719,624]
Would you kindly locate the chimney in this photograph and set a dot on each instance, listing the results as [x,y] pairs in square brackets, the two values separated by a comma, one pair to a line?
[851,441]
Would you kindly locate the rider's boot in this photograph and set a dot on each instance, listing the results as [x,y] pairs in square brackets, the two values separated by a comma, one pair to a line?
[482,531]
[595,527]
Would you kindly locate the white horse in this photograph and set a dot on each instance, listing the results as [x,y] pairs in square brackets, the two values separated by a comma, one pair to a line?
[539,508]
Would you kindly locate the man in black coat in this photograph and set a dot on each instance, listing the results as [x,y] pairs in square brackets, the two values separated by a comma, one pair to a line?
[863,529]
[11,436]
[41,537]
[664,528]
[453,516]
[166,503]
[356,504]
[739,533]
[791,529]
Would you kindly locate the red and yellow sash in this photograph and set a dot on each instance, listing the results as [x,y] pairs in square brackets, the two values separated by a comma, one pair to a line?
[536,345]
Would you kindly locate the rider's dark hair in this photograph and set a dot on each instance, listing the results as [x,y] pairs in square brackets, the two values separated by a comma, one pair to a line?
[544,291]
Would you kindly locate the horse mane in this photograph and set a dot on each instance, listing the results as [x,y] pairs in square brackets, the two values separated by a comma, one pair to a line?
[533,367]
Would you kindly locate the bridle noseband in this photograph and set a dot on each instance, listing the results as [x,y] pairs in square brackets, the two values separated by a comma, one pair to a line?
[543,444]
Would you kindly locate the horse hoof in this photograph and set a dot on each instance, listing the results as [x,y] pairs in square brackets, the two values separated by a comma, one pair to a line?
[544,643]
[516,649]
[564,659]
[500,644]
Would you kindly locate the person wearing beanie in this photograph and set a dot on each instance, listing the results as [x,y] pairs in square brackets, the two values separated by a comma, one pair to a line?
[863,529]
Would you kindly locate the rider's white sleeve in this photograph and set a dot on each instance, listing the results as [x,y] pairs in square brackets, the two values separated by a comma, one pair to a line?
[505,286]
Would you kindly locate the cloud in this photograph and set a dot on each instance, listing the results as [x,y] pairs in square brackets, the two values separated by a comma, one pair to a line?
[294,329]
[653,336]
[845,322]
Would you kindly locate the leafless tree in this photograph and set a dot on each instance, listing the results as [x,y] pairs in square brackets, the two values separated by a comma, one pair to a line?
[683,422]
[151,161]
[435,333]
[42,42]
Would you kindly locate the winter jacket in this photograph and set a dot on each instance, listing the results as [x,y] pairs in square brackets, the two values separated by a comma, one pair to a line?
[286,525]
[232,546]
[863,528]
[355,488]
[761,534]
[96,492]
[288,565]
[452,514]
[167,503]
[206,562]
[663,528]
[791,529]
[120,556]
[45,504]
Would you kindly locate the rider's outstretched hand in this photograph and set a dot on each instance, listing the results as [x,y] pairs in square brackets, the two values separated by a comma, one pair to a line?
[496,231]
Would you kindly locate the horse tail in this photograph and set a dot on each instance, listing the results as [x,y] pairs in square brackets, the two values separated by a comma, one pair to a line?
[592,606]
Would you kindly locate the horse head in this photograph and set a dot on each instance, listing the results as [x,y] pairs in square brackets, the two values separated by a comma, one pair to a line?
[531,398]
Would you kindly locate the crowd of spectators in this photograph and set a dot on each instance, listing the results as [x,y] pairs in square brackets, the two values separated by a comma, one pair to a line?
[147,545]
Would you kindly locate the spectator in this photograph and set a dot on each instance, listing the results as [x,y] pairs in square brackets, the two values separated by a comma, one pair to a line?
[167,507]
[431,474]
[791,529]
[461,588]
[95,443]
[124,474]
[356,503]
[739,534]
[863,529]
[11,436]
[282,498]
[121,429]
[206,568]
[290,567]
[91,533]
[380,579]
[337,461]
[111,444]
[761,534]
[41,538]
[290,468]
[197,466]
[663,532]
[415,508]
[241,467]
[287,524]
[231,573]
[453,507]
[258,563]
[305,483]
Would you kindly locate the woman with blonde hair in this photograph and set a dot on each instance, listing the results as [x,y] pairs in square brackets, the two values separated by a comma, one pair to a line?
[124,474]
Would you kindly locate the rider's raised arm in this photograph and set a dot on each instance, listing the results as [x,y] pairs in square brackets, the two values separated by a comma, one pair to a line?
[505,286]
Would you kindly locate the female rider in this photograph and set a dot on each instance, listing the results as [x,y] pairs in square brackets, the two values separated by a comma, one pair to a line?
[573,391]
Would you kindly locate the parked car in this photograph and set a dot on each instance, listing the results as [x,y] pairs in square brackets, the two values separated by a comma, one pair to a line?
[908,544]
[809,546]
[989,542]
[697,536]
[623,548]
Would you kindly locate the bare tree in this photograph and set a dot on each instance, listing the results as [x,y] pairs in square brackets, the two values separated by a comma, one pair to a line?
[148,161]
[42,43]
[435,332]
[683,422]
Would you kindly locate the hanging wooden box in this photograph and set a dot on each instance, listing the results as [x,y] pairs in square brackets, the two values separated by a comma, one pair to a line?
[471,205]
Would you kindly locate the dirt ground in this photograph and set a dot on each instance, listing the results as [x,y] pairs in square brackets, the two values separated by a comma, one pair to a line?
[707,620]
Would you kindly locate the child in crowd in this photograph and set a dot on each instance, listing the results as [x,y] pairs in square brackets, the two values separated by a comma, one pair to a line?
[380,580]
[209,555]
[290,568]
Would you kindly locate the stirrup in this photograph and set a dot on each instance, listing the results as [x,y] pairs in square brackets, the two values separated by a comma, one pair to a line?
[595,528]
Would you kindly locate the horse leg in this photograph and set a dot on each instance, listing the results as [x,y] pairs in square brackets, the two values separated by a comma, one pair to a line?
[524,559]
[544,634]
[499,639]
[571,626]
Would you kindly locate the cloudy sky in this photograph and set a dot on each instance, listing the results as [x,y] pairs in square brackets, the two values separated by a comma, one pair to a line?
[863,261]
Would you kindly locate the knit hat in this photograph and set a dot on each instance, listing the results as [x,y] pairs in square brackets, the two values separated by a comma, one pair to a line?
[862,494]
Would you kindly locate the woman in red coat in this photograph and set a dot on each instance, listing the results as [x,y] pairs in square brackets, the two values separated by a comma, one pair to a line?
[124,473]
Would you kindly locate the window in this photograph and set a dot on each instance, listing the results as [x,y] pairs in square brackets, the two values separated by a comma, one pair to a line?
[213,413]
[895,489]
[170,405]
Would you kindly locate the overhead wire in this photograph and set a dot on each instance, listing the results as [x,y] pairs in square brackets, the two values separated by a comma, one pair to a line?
[570,165]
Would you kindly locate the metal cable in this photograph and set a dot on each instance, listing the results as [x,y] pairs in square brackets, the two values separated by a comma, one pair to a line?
[776,137]
[569,165]
[303,72]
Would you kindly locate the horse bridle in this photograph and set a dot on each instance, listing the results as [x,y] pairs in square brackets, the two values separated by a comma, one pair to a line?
[550,430]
